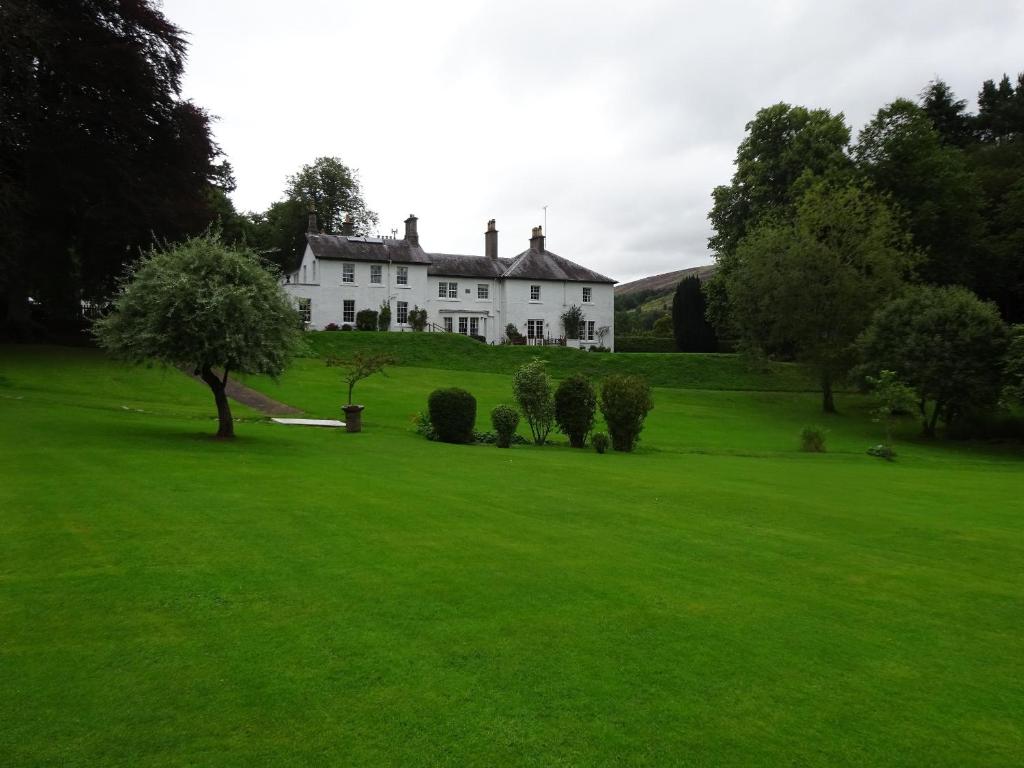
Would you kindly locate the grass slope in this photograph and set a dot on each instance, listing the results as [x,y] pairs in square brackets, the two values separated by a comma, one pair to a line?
[455,352]
[307,597]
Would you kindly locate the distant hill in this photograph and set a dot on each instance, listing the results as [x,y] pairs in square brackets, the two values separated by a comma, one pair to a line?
[664,283]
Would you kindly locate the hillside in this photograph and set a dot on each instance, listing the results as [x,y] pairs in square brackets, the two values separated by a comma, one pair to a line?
[663,283]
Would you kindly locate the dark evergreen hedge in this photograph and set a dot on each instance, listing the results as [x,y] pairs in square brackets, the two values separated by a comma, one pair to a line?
[366,320]
[452,414]
[645,344]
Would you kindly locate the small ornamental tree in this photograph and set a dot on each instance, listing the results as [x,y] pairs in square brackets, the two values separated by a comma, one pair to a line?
[625,401]
[571,320]
[452,414]
[575,403]
[360,366]
[203,305]
[384,317]
[946,343]
[512,333]
[504,419]
[532,389]
[366,320]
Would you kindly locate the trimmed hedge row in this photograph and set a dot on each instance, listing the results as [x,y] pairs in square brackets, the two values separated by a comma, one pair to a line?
[645,344]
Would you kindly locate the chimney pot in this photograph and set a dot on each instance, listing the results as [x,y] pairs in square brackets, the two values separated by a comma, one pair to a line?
[311,227]
[412,235]
[491,240]
[348,225]
[537,239]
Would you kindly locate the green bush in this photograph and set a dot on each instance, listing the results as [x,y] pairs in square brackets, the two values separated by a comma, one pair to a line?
[645,344]
[625,401]
[812,440]
[452,414]
[575,403]
[532,389]
[418,318]
[384,317]
[366,320]
[504,419]
[600,442]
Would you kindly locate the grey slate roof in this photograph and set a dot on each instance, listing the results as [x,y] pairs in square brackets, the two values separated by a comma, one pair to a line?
[545,265]
[528,265]
[453,265]
[355,248]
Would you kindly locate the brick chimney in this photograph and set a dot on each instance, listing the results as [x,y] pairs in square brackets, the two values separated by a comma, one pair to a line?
[311,227]
[537,240]
[411,233]
[348,225]
[491,241]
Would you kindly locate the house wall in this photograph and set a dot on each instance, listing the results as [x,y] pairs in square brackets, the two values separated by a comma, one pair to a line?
[467,304]
[555,298]
[328,293]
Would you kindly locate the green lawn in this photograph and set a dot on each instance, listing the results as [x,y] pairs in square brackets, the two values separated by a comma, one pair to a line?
[309,597]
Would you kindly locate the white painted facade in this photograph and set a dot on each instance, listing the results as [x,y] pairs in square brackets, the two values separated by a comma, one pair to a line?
[335,289]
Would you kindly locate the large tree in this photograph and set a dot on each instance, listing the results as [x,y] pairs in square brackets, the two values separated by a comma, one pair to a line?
[903,155]
[207,307]
[692,330]
[810,285]
[945,343]
[97,152]
[785,148]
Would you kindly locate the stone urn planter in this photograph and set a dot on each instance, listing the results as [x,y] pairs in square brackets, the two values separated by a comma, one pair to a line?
[353,417]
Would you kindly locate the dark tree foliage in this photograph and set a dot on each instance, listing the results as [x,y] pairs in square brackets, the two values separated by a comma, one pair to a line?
[1000,110]
[903,155]
[692,330]
[575,403]
[948,114]
[97,152]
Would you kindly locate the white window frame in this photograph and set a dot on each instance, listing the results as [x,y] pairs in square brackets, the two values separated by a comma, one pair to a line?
[402,276]
[588,294]
[348,273]
[348,311]
[376,274]
[442,290]
[448,324]
[464,326]
[474,326]
[590,330]
[483,292]
[305,308]
[453,290]
[402,313]
[534,293]
[535,329]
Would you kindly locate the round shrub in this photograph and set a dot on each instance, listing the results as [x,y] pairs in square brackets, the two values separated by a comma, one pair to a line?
[625,401]
[346,327]
[452,414]
[575,403]
[366,320]
[600,442]
[504,419]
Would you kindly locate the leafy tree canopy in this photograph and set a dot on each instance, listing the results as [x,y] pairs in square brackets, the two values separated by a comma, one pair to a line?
[204,306]
[811,285]
[945,343]
[692,330]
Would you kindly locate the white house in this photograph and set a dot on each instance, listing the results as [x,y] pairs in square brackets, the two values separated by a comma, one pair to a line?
[473,295]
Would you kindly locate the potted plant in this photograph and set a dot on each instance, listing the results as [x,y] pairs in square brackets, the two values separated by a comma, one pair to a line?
[360,366]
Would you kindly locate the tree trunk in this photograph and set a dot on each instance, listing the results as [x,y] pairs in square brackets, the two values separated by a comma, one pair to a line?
[828,403]
[929,426]
[226,427]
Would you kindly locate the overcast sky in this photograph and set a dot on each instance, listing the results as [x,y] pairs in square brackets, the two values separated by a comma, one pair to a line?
[621,118]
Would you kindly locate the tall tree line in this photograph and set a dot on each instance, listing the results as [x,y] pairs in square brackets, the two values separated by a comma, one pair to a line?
[817,231]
